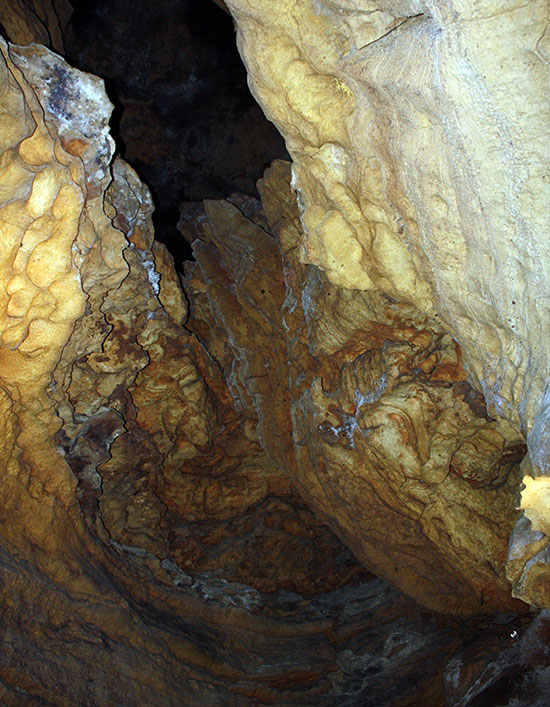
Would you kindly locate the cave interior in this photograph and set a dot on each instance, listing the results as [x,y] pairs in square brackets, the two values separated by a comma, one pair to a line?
[212,580]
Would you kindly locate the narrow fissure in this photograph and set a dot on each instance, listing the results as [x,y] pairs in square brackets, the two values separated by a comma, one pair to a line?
[184,117]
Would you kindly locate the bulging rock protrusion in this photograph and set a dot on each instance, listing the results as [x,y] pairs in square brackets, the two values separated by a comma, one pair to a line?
[364,401]
[420,172]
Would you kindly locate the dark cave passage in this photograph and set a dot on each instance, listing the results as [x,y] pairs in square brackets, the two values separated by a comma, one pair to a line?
[184,117]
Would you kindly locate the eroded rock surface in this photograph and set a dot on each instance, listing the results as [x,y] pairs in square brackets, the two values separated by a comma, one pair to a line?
[418,134]
[90,312]
[364,400]
[36,21]
[153,545]
[124,463]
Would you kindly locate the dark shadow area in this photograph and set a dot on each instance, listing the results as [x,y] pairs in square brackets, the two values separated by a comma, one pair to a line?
[184,117]
[116,116]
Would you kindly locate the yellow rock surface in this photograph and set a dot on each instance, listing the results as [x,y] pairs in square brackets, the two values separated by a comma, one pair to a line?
[535,501]
[152,545]
[419,133]
[99,370]
[124,465]
[378,427]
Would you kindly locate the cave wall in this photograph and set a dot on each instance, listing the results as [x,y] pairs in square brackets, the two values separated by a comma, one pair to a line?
[115,418]
[377,426]
[40,21]
[105,397]
[418,135]
[162,452]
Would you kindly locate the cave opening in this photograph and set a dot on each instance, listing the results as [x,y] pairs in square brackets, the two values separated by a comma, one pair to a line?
[184,117]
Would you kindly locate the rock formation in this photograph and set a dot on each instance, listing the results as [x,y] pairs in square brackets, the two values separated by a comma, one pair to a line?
[37,21]
[199,482]
[418,133]
[124,462]
[377,425]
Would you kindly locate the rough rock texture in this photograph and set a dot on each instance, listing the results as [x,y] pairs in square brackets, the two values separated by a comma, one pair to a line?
[152,548]
[418,132]
[92,346]
[486,672]
[94,458]
[364,401]
[129,376]
[39,21]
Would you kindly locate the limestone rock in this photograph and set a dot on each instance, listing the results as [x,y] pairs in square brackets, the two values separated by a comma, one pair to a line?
[135,490]
[378,427]
[36,21]
[82,316]
[504,665]
[535,501]
[418,133]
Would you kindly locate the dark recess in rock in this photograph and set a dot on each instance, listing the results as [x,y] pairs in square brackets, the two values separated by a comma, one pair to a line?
[203,578]
[184,117]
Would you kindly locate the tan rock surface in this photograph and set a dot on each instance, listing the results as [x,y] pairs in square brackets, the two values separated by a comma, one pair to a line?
[419,133]
[36,21]
[98,380]
[378,428]
[136,496]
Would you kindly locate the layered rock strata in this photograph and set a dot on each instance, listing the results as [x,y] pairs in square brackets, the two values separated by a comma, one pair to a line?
[36,21]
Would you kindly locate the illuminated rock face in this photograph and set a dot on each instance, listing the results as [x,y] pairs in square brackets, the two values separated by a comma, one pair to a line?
[114,420]
[92,331]
[365,402]
[153,545]
[134,497]
[418,133]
